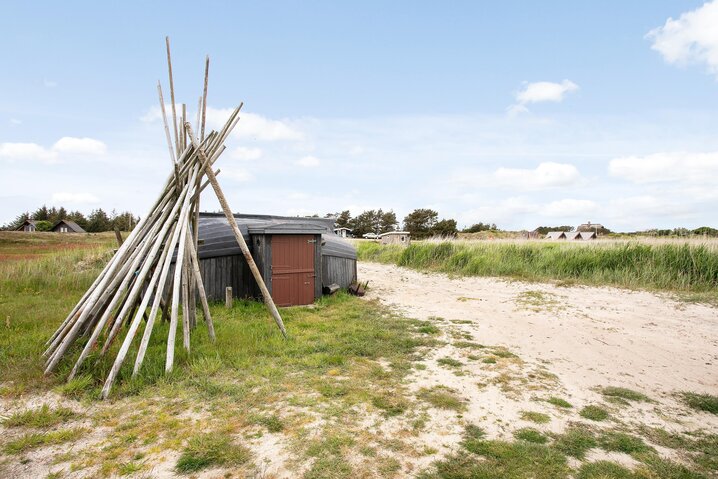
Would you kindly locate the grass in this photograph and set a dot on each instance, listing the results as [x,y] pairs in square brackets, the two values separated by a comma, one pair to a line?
[622,442]
[34,440]
[531,435]
[689,268]
[575,441]
[43,417]
[342,354]
[594,413]
[558,402]
[442,397]
[701,402]
[604,470]
[537,417]
[211,449]
[451,362]
[624,393]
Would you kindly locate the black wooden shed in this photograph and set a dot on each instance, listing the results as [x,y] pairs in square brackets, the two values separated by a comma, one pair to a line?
[296,256]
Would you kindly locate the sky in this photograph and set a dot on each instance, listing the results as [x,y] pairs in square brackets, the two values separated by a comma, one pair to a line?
[516,113]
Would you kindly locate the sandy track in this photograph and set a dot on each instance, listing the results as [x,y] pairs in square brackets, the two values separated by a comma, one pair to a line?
[588,336]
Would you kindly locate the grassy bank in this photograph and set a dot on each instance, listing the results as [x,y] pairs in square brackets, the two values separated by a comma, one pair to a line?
[668,267]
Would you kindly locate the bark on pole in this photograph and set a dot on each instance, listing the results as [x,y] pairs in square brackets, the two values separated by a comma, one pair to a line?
[237,234]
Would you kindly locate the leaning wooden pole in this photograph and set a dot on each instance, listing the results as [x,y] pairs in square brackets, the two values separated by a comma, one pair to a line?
[237,234]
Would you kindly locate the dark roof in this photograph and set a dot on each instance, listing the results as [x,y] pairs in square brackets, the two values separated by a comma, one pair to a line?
[216,237]
[22,225]
[70,224]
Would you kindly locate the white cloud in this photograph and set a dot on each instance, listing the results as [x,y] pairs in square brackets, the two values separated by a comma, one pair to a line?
[545,175]
[83,146]
[542,91]
[26,151]
[49,83]
[243,153]
[569,208]
[74,198]
[694,168]
[254,127]
[237,174]
[691,39]
[64,146]
[308,162]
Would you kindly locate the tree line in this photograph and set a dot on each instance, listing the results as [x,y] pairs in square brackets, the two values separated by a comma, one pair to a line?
[97,221]
[421,223]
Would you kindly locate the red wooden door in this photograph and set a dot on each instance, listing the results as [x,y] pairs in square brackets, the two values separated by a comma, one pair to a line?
[293,269]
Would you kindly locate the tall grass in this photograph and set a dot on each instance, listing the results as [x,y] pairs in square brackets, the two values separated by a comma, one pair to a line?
[671,267]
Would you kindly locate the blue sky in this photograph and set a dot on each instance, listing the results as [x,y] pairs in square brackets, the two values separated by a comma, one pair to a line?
[518,113]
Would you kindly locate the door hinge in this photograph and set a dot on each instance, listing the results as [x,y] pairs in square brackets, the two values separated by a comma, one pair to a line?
[311,241]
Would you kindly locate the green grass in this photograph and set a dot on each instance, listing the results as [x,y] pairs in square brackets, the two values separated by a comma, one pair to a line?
[622,442]
[451,362]
[531,435]
[594,413]
[575,441]
[442,397]
[43,417]
[701,402]
[670,267]
[211,449]
[624,393]
[273,423]
[35,440]
[537,417]
[604,470]
[558,402]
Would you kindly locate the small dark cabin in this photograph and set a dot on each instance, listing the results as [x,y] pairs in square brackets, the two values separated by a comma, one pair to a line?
[67,226]
[296,257]
[27,225]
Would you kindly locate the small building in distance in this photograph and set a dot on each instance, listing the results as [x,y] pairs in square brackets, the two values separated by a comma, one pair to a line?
[395,237]
[27,225]
[344,232]
[67,226]
[571,235]
[556,235]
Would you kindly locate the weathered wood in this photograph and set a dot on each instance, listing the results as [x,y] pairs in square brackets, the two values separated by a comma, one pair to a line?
[204,97]
[118,236]
[331,289]
[172,95]
[201,291]
[238,235]
[228,298]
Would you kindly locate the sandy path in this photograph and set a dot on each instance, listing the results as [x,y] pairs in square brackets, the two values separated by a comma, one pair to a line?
[590,337]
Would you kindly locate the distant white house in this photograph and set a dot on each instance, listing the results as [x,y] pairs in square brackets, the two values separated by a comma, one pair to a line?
[571,235]
[395,237]
[343,231]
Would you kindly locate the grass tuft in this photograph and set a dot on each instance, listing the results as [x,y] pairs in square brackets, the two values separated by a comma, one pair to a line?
[442,397]
[35,440]
[212,449]
[701,402]
[537,417]
[531,435]
[558,402]
[604,470]
[43,417]
[624,393]
[594,413]
[575,441]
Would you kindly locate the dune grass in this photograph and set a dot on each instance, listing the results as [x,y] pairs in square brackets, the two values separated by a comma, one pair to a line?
[689,268]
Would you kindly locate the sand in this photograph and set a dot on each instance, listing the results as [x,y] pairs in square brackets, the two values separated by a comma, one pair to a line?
[592,336]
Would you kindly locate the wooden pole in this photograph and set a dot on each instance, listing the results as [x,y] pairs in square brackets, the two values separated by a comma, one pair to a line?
[204,97]
[118,236]
[172,95]
[228,297]
[201,291]
[237,234]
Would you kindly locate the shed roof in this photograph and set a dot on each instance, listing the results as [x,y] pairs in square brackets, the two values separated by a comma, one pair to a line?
[70,224]
[573,235]
[588,235]
[32,222]
[556,235]
[217,239]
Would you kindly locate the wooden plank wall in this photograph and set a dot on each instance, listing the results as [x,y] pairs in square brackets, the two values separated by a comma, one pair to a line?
[341,271]
[223,271]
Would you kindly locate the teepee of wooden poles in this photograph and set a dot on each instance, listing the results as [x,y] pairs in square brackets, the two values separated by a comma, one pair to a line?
[140,274]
